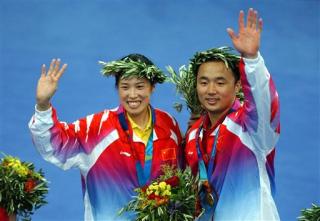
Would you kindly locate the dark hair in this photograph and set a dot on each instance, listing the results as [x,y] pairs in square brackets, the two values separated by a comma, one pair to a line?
[134,57]
[224,54]
[234,66]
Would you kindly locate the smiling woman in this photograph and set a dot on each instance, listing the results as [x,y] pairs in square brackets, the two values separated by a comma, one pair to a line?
[134,94]
[116,150]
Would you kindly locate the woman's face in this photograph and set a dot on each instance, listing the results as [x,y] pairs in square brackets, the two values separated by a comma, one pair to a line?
[134,94]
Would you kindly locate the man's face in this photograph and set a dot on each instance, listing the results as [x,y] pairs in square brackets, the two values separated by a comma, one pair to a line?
[216,87]
[134,94]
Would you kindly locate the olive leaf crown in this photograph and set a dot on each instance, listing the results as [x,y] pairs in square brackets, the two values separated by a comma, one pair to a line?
[224,54]
[128,68]
[186,80]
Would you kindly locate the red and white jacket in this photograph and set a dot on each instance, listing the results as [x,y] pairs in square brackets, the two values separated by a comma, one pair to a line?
[99,147]
[243,176]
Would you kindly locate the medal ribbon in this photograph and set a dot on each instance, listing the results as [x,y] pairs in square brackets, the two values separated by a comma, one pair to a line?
[207,198]
[143,172]
[205,173]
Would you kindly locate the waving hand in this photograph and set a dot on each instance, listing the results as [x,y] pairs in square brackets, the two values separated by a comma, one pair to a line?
[247,41]
[48,83]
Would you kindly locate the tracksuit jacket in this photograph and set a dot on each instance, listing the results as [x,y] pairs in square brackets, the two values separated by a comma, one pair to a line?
[100,148]
[243,175]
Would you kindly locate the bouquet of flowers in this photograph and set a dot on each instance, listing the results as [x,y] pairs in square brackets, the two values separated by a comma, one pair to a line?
[173,196]
[22,189]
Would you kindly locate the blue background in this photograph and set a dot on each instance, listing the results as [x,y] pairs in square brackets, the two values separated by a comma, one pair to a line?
[83,32]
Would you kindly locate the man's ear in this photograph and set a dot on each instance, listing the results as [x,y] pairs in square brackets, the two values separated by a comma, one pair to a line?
[238,86]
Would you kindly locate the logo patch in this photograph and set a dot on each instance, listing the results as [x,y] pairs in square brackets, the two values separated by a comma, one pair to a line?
[125,153]
[190,153]
[168,154]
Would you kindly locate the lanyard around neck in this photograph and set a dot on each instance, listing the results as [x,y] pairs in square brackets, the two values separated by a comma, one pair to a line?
[203,171]
[143,173]
[206,173]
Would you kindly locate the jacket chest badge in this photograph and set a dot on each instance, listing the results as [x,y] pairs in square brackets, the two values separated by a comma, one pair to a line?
[168,154]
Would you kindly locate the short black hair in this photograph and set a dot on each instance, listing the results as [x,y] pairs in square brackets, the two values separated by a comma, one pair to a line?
[234,66]
[134,57]
[223,54]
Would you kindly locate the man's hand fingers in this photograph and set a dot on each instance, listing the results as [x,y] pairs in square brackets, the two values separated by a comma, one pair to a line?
[231,34]
[241,20]
[254,20]
[250,17]
[260,24]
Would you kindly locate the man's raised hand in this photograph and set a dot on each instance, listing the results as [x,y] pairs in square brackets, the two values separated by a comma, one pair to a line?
[247,41]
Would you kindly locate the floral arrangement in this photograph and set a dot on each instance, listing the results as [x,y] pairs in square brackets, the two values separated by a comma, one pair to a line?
[185,79]
[173,196]
[310,214]
[133,68]
[22,189]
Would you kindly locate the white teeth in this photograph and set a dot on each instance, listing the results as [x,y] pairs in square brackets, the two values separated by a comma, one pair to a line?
[133,104]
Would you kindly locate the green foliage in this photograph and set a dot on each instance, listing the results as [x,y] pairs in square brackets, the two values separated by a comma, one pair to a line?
[224,54]
[179,205]
[311,214]
[129,68]
[22,189]
[186,83]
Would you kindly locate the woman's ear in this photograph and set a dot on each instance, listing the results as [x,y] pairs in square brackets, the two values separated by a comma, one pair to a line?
[153,87]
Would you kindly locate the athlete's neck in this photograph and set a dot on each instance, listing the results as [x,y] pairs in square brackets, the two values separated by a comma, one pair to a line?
[142,118]
[214,117]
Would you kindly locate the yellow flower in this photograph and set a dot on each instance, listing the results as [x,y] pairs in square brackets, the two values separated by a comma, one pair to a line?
[16,165]
[166,193]
[162,185]
[21,170]
[155,187]
[149,192]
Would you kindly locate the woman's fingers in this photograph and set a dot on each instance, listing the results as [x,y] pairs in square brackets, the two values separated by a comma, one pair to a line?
[43,70]
[61,71]
[51,67]
[56,67]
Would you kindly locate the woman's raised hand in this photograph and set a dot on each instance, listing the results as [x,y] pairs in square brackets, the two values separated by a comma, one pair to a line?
[48,83]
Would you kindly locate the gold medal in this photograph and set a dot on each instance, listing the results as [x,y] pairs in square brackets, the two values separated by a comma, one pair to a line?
[206,188]
[210,199]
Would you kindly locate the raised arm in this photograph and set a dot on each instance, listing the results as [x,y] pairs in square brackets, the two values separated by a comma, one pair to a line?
[48,83]
[261,105]
[56,141]
[247,41]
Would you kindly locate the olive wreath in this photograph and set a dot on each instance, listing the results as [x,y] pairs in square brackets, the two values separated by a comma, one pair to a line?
[128,68]
[185,79]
